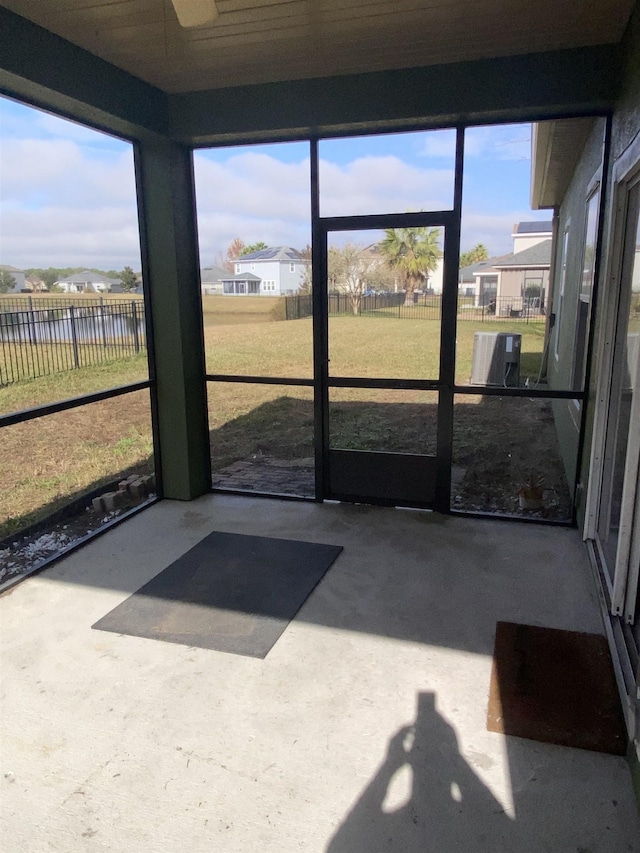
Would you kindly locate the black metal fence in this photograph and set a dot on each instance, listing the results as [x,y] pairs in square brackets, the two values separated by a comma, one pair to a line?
[422,306]
[27,302]
[37,343]
[297,307]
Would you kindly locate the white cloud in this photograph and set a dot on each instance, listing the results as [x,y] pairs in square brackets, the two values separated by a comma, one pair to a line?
[498,142]
[53,126]
[68,192]
[257,197]
[439,143]
[252,196]
[66,204]
[64,171]
[493,142]
[382,185]
[494,230]
[106,238]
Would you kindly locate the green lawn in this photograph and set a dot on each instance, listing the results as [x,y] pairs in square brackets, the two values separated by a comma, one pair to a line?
[358,346]
[48,460]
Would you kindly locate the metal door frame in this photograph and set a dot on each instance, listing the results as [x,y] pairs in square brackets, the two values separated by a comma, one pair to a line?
[444,385]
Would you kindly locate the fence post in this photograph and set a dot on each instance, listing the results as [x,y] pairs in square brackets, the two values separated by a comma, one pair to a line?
[32,323]
[74,337]
[103,327]
[136,339]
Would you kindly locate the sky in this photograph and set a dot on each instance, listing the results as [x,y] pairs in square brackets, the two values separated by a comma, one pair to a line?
[67,192]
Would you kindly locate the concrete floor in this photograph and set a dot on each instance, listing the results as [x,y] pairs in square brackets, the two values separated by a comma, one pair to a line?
[362,730]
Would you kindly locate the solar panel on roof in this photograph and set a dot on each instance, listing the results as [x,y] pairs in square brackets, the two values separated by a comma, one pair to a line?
[533,227]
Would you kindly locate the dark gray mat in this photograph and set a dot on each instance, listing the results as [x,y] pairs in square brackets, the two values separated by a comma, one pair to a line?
[230,593]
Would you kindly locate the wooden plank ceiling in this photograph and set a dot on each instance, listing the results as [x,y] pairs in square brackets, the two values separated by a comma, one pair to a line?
[260,41]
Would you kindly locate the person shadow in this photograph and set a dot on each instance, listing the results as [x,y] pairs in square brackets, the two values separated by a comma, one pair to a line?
[426,798]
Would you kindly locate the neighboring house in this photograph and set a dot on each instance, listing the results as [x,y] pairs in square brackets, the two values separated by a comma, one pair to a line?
[116,287]
[211,279]
[17,274]
[528,234]
[431,284]
[88,282]
[480,280]
[279,270]
[434,279]
[523,278]
[513,281]
[242,284]
[35,284]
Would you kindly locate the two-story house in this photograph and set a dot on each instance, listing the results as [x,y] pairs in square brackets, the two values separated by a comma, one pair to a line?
[274,271]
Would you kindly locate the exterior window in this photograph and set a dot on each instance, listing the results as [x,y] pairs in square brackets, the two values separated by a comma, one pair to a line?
[237,268]
[563,276]
[586,286]
[292,267]
[253,267]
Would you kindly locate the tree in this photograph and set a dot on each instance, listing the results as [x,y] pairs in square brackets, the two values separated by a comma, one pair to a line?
[478,253]
[254,247]
[413,252]
[348,270]
[7,281]
[49,276]
[234,251]
[380,277]
[306,277]
[128,279]
[53,274]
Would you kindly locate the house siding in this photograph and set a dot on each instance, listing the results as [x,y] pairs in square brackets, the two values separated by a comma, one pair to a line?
[290,281]
[625,122]
[276,270]
[19,277]
[510,283]
[526,241]
[571,215]
[624,129]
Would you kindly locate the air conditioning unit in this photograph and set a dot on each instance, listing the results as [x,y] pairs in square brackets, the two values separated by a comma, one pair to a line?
[496,359]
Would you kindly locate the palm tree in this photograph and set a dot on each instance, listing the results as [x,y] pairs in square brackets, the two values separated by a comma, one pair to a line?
[414,252]
[478,253]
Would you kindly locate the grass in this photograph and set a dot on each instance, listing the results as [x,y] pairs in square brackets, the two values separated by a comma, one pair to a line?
[358,346]
[49,461]
[72,383]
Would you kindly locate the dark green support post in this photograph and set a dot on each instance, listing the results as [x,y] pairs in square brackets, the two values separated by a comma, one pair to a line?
[164,175]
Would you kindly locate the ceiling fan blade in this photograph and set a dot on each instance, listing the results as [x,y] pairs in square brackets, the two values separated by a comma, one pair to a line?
[195,13]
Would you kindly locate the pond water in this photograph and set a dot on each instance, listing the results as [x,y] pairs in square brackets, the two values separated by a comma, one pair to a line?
[85,325]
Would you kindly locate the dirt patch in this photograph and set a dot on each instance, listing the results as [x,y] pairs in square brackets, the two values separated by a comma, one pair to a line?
[499,444]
